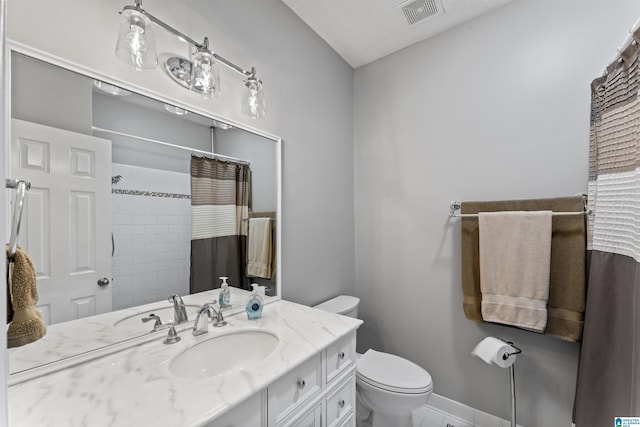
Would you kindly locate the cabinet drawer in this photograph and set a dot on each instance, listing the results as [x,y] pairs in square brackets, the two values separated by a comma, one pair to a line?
[341,402]
[299,385]
[340,355]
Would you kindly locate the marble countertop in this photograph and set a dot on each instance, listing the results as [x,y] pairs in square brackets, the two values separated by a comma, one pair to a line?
[66,340]
[135,387]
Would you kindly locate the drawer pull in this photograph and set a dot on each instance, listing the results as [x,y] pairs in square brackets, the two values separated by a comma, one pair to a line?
[341,403]
[341,355]
[301,384]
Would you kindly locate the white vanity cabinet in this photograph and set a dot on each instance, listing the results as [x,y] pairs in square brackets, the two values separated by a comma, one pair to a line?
[308,379]
[320,392]
[250,413]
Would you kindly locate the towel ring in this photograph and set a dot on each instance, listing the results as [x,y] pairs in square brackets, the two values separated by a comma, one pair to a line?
[16,221]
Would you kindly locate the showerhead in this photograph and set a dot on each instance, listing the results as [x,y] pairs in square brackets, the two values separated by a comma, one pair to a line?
[115,179]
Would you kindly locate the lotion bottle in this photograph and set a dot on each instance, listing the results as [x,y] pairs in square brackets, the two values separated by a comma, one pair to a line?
[254,304]
[224,297]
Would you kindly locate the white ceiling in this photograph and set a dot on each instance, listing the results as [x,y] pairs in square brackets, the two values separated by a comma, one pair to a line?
[362,31]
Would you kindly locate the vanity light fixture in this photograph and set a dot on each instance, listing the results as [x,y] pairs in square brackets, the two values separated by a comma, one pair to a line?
[136,41]
[136,47]
[205,78]
[253,104]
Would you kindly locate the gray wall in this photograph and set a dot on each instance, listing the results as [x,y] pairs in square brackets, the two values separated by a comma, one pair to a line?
[497,108]
[116,113]
[50,96]
[261,152]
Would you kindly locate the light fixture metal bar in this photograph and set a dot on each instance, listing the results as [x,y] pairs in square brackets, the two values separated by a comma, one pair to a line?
[233,66]
[138,8]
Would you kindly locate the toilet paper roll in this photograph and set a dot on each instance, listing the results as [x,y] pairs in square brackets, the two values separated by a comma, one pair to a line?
[493,350]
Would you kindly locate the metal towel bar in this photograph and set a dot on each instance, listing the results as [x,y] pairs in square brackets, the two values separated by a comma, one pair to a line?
[455,206]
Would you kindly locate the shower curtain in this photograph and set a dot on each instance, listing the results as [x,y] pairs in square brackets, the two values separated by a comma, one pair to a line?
[609,370]
[220,194]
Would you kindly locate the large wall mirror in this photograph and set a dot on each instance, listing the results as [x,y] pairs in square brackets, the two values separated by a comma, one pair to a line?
[110,220]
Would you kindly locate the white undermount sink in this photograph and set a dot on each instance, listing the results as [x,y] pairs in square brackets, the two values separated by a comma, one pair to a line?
[165,313]
[215,356]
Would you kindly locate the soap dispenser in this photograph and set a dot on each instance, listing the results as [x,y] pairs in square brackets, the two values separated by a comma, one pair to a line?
[254,304]
[224,297]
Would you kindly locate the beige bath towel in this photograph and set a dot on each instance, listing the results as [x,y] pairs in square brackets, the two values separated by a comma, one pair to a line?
[27,324]
[515,257]
[259,248]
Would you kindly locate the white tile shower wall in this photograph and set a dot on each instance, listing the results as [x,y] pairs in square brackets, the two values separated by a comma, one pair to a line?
[152,236]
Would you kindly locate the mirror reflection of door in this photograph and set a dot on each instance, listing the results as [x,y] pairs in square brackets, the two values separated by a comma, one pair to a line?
[67,217]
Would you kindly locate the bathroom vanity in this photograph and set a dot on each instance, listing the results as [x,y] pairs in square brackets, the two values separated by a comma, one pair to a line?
[295,366]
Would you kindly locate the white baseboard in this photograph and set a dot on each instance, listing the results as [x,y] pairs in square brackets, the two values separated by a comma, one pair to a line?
[465,414]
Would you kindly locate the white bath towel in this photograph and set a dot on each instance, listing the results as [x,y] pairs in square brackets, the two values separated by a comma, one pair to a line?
[259,254]
[515,255]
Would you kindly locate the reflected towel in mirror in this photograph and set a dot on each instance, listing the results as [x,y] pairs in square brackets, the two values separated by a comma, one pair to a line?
[259,253]
[27,324]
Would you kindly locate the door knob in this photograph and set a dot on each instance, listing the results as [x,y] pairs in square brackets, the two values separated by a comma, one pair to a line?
[103,282]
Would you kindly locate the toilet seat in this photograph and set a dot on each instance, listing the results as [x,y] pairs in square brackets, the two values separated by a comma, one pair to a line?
[392,373]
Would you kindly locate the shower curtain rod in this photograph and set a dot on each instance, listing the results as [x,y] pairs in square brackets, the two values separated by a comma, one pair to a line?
[168,144]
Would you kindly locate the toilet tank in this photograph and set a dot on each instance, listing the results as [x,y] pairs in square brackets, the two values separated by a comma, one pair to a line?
[342,304]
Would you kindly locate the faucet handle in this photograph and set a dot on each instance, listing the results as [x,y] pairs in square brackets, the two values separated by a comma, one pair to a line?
[155,318]
[218,315]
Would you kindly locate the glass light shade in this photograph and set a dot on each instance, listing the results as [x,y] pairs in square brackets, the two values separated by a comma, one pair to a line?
[205,78]
[136,42]
[253,104]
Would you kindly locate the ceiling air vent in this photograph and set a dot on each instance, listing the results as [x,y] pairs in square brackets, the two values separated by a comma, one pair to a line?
[417,11]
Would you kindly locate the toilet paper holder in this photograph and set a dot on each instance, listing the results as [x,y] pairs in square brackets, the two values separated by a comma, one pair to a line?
[505,356]
[508,355]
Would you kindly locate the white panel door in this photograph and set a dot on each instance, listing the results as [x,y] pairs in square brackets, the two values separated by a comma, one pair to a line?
[66,225]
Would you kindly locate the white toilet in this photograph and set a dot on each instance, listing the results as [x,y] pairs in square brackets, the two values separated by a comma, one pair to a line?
[388,387]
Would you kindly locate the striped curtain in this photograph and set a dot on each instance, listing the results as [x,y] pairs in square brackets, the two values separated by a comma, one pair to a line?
[220,194]
[609,371]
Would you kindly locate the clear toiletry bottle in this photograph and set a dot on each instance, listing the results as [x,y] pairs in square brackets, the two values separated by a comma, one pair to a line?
[254,304]
[224,297]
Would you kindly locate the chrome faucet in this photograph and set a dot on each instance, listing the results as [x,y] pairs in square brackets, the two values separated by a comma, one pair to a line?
[207,310]
[210,312]
[179,310]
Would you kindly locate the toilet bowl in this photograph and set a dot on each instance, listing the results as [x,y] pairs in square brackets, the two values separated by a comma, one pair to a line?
[388,387]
